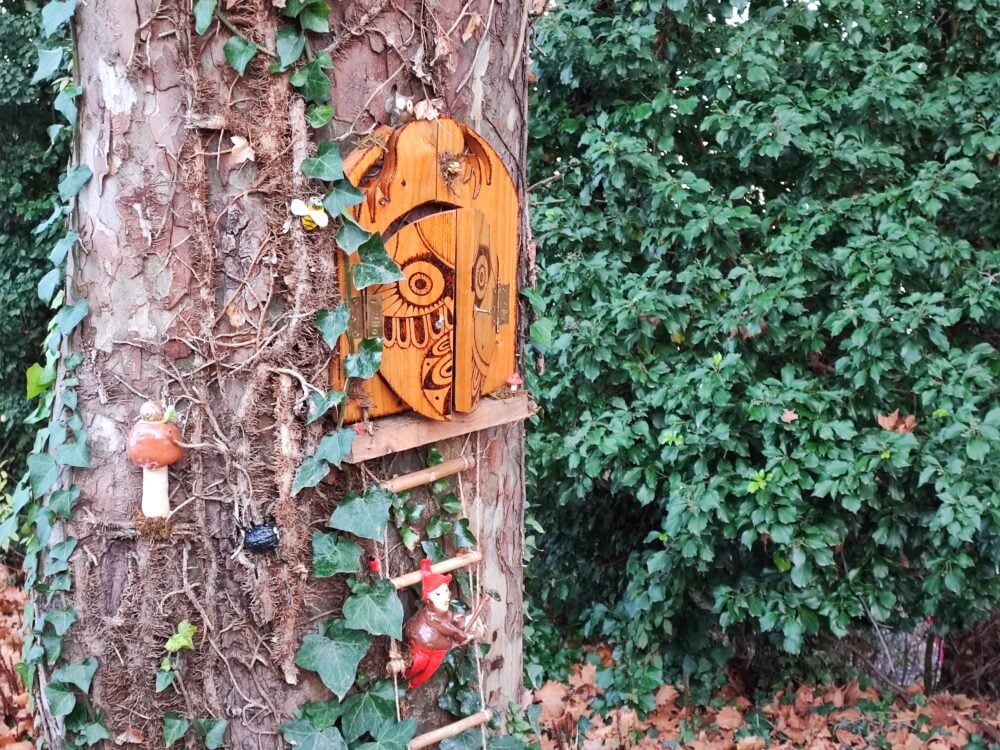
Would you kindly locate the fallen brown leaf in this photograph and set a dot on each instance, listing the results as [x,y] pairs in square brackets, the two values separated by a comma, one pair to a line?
[729,718]
[552,695]
[895,423]
[666,695]
[805,699]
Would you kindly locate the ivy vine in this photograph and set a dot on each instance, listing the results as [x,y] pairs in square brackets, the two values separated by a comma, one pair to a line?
[61,443]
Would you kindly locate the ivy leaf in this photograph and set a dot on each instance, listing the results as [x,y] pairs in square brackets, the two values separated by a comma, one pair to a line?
[332,555]
[326,165]
[49,62]
[182,639]
[48,284]
[56,13]
[65,105]
[409,537]
[318,115]
[320,404]
[80,675]
[61,502]
[164,678]
[375,609]
[334,656]
[364,363]
[74,454]
[37,381]
[289,46]
[59,555]
[57,213]
[73,181]
[470,739]
[8,528]
[60,698]
[93,732]
[311,80]
[309,474]
[333,323]
[451,504]
[367,713]
[204,10]
[336,446]
[376,266]
[174,727]
[304,735]
[42,473]
[351,235]
[61,249]
[322,714]
[69,317]
[437,527]
[213,730]
[342,195]
[61,620]
[239,52]
[363,515]
[396,735]
[433,551]
[315,16]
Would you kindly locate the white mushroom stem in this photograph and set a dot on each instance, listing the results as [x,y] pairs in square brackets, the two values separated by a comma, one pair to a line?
[155,493]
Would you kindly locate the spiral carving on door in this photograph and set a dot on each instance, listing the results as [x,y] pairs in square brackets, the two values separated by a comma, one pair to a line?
[448,213]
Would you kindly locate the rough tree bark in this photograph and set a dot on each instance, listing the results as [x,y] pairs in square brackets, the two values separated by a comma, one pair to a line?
[202,294]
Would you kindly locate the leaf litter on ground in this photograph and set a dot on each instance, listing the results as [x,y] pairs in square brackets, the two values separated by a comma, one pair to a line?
[820,717]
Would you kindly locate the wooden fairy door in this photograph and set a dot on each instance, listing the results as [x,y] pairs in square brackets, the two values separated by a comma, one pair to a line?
[448,212]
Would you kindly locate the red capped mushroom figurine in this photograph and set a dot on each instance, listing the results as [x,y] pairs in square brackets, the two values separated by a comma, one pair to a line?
[515,381]
[153,444]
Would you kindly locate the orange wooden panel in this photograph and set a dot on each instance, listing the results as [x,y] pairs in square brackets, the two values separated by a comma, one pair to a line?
[418,316]
[428,169]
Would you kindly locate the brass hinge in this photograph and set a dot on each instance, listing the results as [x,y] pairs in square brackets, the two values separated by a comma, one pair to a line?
[502,305]
[365,316]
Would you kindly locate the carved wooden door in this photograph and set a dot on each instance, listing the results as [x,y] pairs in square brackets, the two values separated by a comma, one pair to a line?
[448,213]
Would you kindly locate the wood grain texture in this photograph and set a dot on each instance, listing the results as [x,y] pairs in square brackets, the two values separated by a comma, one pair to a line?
[449,215]
[406,431]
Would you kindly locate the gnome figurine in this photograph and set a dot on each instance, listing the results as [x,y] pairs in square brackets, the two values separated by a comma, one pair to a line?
[433,631]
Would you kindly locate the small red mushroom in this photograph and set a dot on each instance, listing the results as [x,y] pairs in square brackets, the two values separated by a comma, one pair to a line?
[153,444]
[515,381]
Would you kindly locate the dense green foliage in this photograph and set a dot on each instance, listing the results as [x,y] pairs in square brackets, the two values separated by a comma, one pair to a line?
[797,213]
[29,171]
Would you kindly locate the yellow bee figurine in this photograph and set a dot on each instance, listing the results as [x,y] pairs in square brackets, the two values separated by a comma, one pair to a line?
[312,212]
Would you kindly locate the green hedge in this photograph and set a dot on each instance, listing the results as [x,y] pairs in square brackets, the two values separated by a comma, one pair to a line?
[29,170]
[755,238]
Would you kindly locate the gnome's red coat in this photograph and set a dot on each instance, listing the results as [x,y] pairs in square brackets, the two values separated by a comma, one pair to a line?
[431,634]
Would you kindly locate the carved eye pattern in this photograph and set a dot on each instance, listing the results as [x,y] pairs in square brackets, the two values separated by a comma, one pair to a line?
[448,210]
[482,273]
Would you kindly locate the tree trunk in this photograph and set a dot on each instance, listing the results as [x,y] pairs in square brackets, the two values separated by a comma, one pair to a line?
[202,292]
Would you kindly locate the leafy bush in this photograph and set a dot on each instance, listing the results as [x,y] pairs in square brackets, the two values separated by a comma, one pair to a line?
[754,239]
[29,171]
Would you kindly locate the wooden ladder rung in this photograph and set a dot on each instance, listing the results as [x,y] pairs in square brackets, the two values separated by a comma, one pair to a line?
[430,474]
[445,566]
[450,730]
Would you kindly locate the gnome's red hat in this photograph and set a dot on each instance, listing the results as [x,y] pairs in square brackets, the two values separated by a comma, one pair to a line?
[430,581]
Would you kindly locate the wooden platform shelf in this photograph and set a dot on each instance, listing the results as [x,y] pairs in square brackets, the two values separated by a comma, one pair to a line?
[400,433]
